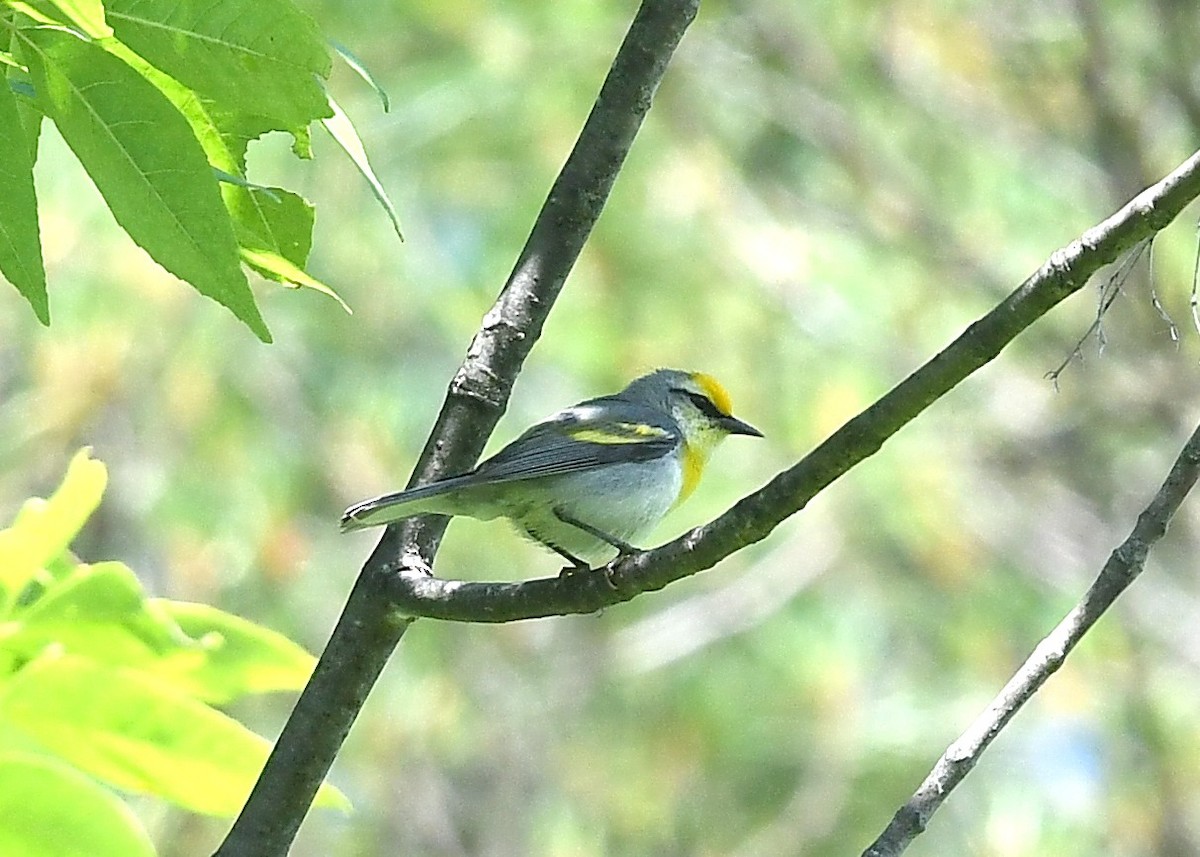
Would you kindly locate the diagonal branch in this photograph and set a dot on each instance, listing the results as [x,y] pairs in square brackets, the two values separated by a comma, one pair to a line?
[1122,568]
[369,630]
[753,518]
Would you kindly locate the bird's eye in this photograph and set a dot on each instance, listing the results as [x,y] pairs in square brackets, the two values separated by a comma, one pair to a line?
[704,404]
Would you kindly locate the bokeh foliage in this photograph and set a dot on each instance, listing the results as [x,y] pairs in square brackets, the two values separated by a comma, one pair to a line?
[823,194]
[100,684]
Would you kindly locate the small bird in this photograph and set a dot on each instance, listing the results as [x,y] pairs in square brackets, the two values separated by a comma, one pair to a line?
[590,479]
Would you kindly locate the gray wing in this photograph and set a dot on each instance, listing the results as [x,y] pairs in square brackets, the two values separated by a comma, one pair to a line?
[578,439]
[572,440]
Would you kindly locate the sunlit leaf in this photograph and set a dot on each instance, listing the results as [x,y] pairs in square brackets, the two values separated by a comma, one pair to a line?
[88,15]
[138,734]
[240,656]
[44,528]
[275,267]
[49,809]
[100,611]
[41,11]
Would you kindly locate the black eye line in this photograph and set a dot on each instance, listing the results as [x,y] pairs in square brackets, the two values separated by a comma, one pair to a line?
[703,403]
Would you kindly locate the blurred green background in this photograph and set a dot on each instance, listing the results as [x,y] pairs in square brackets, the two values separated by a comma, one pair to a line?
[824,194]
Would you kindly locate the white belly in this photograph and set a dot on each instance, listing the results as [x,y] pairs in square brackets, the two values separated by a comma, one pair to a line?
[625,501]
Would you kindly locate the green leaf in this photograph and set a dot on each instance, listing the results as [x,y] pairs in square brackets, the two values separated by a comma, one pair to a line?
[276,219]
[41,11]
[257,58]
[342,130]
[20,242]
[234,131]
[362,71]
[138,734]
[100,611]
[223,133]
[238,181]
[274,228]
[52,810]
[241,657]
[87,15]
[197,112]
[271,219]
[146,162]
[275,267]
[31,117]
[302,144]
[45,528]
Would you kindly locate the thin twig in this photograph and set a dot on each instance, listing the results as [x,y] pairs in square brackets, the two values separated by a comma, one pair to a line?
[1172,328]
[1122,568]
[753,518]
[1195,304]
[368,630]
[1108,292]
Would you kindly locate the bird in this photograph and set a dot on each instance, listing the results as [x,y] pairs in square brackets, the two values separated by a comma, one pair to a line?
[590,480]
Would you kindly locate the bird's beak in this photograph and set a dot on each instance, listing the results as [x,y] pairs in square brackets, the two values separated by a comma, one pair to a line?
[733,425]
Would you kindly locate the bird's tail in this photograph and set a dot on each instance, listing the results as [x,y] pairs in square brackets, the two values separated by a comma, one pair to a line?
[428,499]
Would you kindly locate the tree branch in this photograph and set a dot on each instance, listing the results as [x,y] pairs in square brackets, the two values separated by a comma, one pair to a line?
[1123,566]
[369,630]
[1066,271]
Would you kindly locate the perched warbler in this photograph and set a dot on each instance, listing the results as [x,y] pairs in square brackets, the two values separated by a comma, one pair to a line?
[590,479]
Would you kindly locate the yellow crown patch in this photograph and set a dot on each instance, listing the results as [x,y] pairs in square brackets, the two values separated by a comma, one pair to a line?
[713,389]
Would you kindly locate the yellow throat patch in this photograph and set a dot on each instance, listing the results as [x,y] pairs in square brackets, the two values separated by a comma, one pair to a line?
[697,450]
[693,465]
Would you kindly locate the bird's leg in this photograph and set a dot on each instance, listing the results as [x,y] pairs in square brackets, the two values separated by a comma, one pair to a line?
[577,565]
[623,547]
